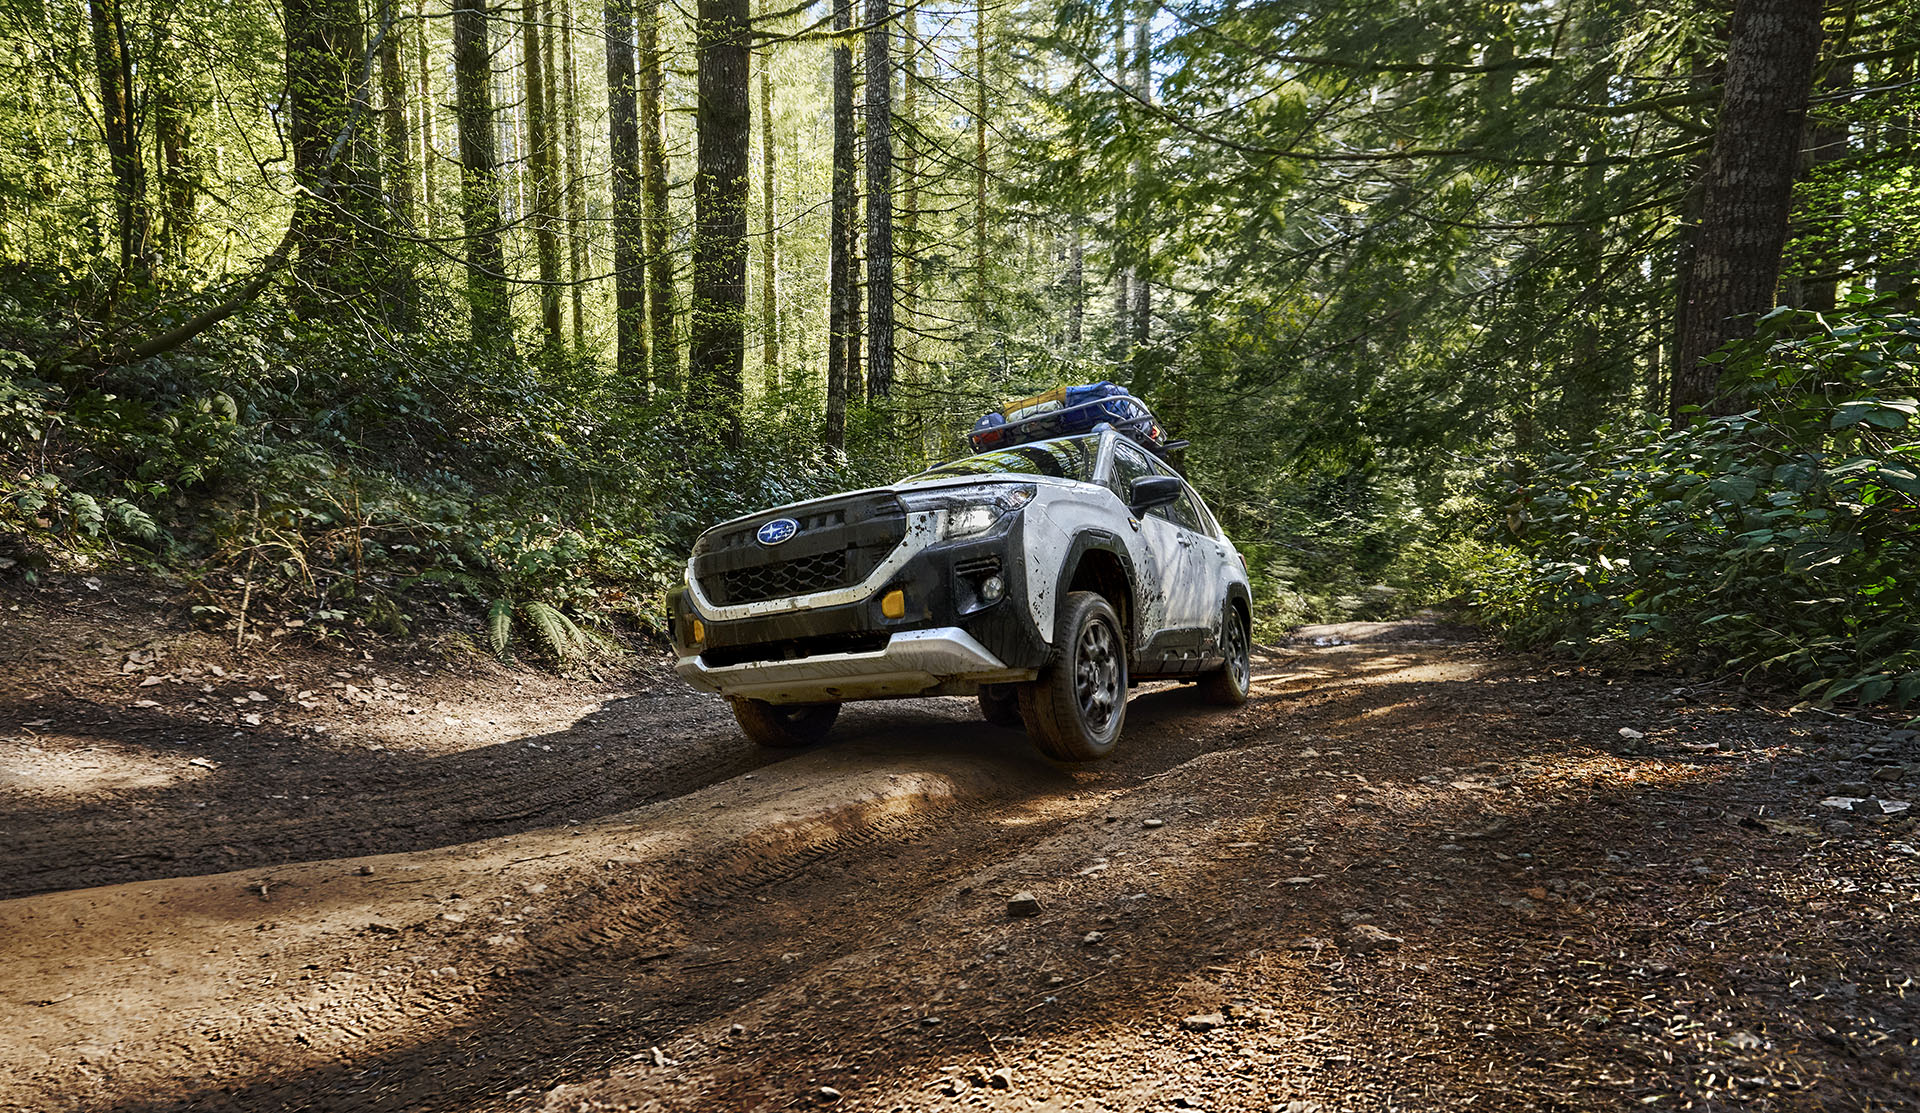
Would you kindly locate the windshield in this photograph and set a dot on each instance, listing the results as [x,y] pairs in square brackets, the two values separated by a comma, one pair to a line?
[1066,458]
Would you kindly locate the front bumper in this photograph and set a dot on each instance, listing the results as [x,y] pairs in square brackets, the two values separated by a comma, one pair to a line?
[947,639]
[913,663]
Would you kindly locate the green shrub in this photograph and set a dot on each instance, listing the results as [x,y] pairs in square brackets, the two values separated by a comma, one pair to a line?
[363,478]
[1778,542]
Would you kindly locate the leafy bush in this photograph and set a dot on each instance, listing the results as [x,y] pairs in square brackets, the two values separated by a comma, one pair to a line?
[366,478]
[1780,541]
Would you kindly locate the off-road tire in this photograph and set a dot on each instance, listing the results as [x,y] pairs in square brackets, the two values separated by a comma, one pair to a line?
[784,726]
[1000,705]
[1229,684]
[1074,712]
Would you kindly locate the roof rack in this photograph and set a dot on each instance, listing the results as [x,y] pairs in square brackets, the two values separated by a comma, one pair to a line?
[1124,413]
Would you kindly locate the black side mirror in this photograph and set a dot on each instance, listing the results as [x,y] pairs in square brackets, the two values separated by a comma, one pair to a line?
[1150,491]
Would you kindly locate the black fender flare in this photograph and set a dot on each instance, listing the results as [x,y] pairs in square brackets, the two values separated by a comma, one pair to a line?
[1236,593]
[1105,541]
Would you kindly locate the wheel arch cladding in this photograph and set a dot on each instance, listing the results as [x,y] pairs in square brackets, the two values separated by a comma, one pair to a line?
[1098,564]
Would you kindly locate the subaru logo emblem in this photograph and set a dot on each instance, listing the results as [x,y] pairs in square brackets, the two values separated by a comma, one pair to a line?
[778,530]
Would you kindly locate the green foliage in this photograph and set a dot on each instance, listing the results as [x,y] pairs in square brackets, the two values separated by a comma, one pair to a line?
[370,480]
[1780,541]
[499,625]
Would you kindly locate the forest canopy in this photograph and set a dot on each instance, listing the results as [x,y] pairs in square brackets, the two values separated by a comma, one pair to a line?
[1602,315]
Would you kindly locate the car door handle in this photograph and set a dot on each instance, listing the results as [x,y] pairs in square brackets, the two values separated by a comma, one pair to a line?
[1186,542]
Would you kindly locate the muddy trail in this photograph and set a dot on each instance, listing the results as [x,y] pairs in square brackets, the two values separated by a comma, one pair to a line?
[1412,873]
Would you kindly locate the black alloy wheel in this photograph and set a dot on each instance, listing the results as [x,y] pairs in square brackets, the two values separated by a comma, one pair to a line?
[1074,712]
[1229,684]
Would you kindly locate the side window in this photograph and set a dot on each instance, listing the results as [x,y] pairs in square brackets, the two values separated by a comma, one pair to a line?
[1181,512]
[1129,464]
[1209,525]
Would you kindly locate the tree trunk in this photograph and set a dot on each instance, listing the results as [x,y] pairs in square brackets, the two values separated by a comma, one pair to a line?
[429,130]
[716,325]
[840,279]
[653,180]
[1076,289]
[1827,143]
[327,75]
[1704,79]
[173,138]
[1142,246]
[512,101]
[769,247]
[879,200]
[910,169]
[393,117]
[542,163]
[854,377]
[114,65]
[980,161]
[1895,142]
[623,141]
[1122,211]
[401,212]
[1748,194]
[479,179]
[576,176]
[1816,286]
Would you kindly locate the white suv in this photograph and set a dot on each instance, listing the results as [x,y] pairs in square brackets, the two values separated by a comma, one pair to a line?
[1047,578]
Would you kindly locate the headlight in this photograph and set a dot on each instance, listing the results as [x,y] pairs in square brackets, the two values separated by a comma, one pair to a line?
[967,511]
[969,520]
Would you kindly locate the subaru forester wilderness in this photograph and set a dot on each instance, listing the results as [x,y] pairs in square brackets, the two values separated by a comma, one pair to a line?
[1045,577]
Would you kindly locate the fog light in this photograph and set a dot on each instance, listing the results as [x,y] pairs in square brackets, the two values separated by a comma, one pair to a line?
[992,588]
[894,604]
[699,631]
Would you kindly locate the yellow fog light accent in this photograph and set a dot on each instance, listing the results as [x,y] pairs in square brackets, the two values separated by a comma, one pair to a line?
[699,631]
[894,604]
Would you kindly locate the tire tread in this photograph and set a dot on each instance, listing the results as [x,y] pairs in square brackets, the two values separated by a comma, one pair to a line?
[1049,706]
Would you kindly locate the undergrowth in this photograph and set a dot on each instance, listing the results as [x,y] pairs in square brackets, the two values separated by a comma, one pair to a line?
[1778,544]
[361,483]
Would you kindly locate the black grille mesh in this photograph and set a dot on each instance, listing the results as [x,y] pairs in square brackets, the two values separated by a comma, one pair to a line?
[839,543]
[802,576]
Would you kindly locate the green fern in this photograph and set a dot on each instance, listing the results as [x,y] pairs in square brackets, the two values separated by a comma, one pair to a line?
[86,513]
[594,640]
[132,520]
[562,637]
[499,625]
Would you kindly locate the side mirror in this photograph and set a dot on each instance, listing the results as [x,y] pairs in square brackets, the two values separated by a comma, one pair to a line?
[1150,491]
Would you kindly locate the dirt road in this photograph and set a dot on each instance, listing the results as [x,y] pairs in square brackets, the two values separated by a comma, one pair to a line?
[1411,874]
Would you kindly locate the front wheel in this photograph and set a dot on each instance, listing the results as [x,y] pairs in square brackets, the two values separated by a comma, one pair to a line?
[784,726]
[1075,710]
[1229,684]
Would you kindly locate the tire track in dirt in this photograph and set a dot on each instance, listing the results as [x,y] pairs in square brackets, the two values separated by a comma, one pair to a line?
[246,811]
[630,946]
[662,878]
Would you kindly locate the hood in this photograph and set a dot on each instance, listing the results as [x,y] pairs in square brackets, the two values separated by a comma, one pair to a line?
[936,483]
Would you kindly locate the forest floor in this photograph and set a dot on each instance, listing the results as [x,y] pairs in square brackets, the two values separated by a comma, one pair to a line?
[1413,872]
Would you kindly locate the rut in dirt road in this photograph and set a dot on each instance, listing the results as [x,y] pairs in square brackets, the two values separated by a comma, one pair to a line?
[269,797]
[1409,874]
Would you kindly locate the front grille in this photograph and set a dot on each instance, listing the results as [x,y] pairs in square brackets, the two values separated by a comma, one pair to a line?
[838,544]
[808,574]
